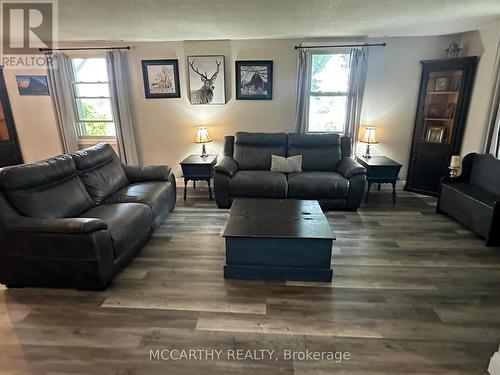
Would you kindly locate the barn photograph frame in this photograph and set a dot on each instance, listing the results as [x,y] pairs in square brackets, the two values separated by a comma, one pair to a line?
[243,69]
[213,89]
[162,93]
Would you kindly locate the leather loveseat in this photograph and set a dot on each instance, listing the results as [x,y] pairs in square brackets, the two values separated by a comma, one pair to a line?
[75,220]
[473,198]
[329,174]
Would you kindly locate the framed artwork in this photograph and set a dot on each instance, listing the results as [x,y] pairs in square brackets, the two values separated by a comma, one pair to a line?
[435,134]
[206,80]
[441,84]
[32,85]
[161,79]
[254,79]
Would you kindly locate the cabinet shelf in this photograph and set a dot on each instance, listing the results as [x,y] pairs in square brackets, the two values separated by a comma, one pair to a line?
[438,119]
[442,92]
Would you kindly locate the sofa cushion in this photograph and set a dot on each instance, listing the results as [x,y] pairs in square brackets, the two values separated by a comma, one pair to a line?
[473,191]
[316,185]
[128,223]
[319,152]
[100,170]
[156,194]
[252,151]
[286,165]
[47,189]
[265,184]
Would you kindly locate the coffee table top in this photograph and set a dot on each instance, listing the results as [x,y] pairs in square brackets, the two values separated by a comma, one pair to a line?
[276,218]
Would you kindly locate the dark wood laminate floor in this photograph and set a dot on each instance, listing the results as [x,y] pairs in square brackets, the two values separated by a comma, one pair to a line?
[413,293]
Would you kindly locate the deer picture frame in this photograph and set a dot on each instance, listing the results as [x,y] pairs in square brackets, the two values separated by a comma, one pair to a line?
[207,84]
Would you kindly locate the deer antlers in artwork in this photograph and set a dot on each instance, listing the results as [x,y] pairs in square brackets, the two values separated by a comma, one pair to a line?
[204,76]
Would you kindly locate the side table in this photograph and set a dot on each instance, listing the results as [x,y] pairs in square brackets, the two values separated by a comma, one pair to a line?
[380,169]
[198,168]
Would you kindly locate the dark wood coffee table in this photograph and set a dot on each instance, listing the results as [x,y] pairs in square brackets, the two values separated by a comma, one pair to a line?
[275,239]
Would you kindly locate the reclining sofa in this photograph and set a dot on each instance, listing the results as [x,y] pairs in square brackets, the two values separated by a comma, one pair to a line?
[74,221]
[473,198]
[329,174]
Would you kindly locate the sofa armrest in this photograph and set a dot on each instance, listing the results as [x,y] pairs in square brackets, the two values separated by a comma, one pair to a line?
[348,167]
[227,165]
[142,173]
[70,226]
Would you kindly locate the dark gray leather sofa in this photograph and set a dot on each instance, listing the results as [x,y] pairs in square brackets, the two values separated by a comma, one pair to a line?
[473,198]
[75,220]
[330,175]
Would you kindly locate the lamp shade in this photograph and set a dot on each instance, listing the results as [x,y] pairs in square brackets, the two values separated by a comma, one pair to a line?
[369,135]
[455,161]
[202,136]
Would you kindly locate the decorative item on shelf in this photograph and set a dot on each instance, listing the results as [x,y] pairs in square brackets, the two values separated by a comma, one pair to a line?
[435,134]
[434,110]
[450,111]
[441,84]
[203,138]
[369,137]
[455,165]
[455,83]
[453,50]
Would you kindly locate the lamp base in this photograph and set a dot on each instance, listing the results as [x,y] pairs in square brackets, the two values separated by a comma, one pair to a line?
[454,172]
[367,152]
[204,153]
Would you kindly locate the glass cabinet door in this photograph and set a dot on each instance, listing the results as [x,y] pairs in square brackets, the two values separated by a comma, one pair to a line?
[441,100]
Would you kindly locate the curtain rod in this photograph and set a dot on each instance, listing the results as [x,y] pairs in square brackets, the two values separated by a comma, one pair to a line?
[80,48]
[344,45]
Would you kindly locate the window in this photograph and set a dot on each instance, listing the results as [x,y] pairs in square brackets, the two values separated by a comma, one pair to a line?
[92,100]
[328,93]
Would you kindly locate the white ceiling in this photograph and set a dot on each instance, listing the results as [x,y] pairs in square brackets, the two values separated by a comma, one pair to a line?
[160,20]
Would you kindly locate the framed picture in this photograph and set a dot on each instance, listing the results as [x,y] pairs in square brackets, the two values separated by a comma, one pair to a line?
[161,79]
[434,110]
[441,84]
[32,85]
[435,134]
[206,80]
[254,79]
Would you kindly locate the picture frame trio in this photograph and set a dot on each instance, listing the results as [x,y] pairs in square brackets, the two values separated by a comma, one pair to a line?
[206,77]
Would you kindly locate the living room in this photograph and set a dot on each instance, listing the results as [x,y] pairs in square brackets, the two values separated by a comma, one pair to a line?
[213,207]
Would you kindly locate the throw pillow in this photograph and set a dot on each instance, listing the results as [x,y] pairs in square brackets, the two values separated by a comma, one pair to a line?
[286,165]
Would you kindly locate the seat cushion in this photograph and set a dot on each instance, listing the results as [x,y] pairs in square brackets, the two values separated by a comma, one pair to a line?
[260,184]
[128,224]
[47,189]
[474,191]
[317,185]
[159,195]
[252,151]
[100,170]
[319,152]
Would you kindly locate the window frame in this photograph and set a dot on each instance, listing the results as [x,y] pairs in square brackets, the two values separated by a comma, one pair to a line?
[310,93]
[79,123]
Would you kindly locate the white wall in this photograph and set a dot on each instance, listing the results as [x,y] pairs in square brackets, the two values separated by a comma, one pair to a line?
[166,127]
[484,43]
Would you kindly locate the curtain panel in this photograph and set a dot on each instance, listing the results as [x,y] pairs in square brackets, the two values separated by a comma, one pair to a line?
[60,77]
[121,103]
[492,145]
[303,86]
[357,81]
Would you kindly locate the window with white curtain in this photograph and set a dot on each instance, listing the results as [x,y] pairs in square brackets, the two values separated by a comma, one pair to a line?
[91,94]
[329,86]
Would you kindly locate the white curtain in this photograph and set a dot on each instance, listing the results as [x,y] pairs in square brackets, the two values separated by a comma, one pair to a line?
[303,85]
[60,75]
[118,75]
[357,80]
[492,145]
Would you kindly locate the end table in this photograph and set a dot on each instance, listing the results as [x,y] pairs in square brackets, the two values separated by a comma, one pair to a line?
[380,169]
[198,168]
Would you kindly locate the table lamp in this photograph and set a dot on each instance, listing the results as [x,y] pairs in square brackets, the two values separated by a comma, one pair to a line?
[369,138]
[455,165]
[203,137]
